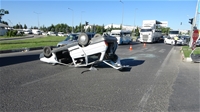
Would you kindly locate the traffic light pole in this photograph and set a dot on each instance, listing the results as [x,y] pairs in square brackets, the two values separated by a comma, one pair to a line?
[193,24]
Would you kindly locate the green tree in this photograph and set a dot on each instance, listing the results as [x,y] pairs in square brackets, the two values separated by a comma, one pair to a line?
[17,26]
[102,29]
[35,27]
[88,29]
[20,26]
[52,29]
[165,30]
[111,27]
[2,13]
[4,22]
[137,33]
[108,29]
[98,29]
[25,27]
[56,29]
[121,27]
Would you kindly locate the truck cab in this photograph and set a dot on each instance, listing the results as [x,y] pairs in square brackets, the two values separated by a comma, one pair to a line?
[150,31]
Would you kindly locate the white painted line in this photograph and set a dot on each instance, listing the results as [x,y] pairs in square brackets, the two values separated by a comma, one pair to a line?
[162,50]
[38,80]
[150,90]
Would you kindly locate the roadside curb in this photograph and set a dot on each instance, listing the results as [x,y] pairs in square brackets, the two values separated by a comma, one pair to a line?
[30,36]
[23,49]
[185,59]
[20,50]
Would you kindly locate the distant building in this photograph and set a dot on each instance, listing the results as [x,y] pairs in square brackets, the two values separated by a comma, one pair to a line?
[3,29]
[164,23]
[184,31]
[125,27]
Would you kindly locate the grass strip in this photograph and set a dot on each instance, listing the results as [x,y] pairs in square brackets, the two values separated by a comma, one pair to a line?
[29,43]
[187,51]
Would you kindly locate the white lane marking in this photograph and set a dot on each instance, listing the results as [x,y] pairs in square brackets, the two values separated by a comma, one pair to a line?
[152,49]
[38,80]
[162,50]
[35,81]
[150,90]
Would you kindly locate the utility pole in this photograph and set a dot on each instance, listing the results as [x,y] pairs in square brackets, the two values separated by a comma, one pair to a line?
[72,19]
[81,21]
[122,12]
[193,21]
[38,19]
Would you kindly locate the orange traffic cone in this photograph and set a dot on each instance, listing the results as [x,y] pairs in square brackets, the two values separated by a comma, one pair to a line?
[130,48]
[144,45]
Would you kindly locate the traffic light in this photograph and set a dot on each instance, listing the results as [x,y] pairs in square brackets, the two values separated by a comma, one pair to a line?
[86,23]
[191,21]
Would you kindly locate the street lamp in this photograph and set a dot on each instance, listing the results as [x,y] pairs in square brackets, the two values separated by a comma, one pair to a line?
[10,22]
[81,21]
[72,19]
[38,19]
[122,12]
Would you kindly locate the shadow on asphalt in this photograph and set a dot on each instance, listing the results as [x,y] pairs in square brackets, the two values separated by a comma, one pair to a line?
[129,63]
[5,61]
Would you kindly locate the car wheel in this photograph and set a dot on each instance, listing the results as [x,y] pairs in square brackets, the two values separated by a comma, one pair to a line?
[47,52]
[97,35]
[83,39]
[172,43]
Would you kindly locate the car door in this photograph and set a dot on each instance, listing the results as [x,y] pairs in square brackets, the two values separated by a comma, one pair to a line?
[168,40]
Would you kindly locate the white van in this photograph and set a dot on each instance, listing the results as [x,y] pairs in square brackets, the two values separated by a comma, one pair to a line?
[123,36]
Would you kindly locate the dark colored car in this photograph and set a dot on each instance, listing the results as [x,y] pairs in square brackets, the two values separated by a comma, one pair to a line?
[73,38]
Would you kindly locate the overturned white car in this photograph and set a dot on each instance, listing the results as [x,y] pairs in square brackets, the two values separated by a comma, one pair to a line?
[87,51]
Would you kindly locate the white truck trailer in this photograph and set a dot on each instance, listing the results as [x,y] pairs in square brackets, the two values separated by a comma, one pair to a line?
[173,33]
[150,31]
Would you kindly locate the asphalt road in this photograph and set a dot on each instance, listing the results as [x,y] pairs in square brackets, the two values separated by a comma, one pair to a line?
[153,83]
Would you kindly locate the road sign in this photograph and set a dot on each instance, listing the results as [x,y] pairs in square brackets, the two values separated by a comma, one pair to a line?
[195,35]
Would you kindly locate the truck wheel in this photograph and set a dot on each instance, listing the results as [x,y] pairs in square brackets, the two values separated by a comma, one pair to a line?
[83,39]
[47,51]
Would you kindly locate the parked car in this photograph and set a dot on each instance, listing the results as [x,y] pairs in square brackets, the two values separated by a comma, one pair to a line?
[51,33]
[198,42]
[61,34]
[44,33]
[86,51]
[182,40]
[73,38]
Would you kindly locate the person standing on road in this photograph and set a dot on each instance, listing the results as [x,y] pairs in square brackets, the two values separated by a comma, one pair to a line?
[175,38]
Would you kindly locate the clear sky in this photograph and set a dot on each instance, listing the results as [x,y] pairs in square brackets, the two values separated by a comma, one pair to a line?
[98,12]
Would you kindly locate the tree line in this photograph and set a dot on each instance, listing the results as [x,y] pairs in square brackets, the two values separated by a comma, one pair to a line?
[93,28]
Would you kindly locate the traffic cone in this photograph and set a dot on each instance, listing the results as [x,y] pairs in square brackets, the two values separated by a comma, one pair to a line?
[130,48]
[144,45]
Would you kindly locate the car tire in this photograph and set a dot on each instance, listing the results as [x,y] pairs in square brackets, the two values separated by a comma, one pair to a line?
[83,39]
[97,35]
[47,51]
[172,43]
